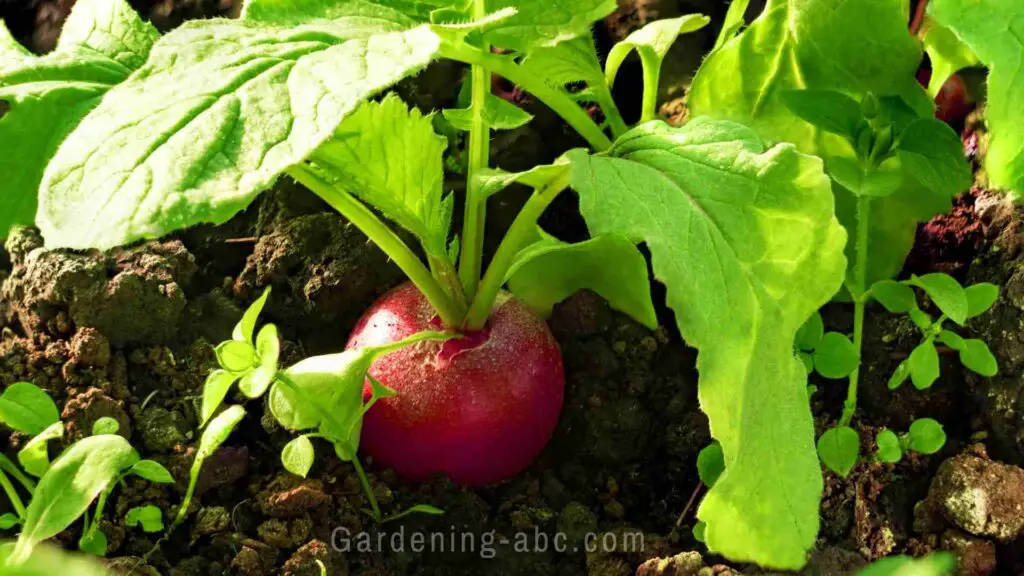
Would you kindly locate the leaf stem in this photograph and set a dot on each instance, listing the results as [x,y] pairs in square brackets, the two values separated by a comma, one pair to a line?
[611,111]
[12,495]
[475,218]
[517,237]
[558,101]
[365,482]
[860,299]
[385,239]
[649,108]
[12,469]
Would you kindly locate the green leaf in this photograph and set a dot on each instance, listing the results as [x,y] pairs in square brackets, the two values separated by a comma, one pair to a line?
[499,114]
[896,297]
[34,456]
[926,436]
[93,541]
[385,16]
[573,61]
[924,365]
[217,431]
[835,357]
[246,327]
[839,448]
[810,333]
[150,517]
[888,447]
[219,111]
[829,110]
[8,521]
[980,297]
[734,21]
[863,180]
[102,42]
[744,240]
[991,29]
[710,464]
[27,409]
[298,456]
[216,388]
[268,349]
[900,375]
[236,356]
[808,362]
[652,42]
[67,489]
[538,23]
[937,564]
[951,339]
[152,471]
[549,271]
[105,425]
[975,355]
[700,531]
[945,292]
[932,153]
[47,560]
[390,157]
[947,54]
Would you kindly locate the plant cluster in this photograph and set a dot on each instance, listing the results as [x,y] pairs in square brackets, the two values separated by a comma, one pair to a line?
[808,162]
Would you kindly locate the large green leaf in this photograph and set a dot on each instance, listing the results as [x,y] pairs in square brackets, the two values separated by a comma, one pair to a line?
[745,241]
[389,156]
[47,560]
[538,23]
[848,47]
[388,16]
[70,485]
[215,116]
[994,31]
[102,42]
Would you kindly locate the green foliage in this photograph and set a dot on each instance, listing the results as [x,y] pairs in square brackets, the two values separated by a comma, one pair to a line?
[831,354]
[925,436]
[149,517]
[34,457]
[745,264]
[937,564]
[27,409]
[947,54]
[499,113]
[105,425]
[541,23]
[945,292]
[217,432]
[889,448]
[990,30]
[298,456]
[47,560]
[152,471]
[710,464]
[549,271]
[839,448]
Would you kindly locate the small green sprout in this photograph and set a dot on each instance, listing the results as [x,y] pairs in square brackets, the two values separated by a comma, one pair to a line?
[956,303]
[149,517]
[830,354]
[710,466]
[839,448]
[925,436]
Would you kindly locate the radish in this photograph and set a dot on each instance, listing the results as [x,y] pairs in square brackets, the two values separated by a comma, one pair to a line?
[478,409]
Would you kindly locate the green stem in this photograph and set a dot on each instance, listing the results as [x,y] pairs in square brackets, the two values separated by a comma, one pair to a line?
[12,469]
[555,99]
[475,217]
[860,297]
[611,111]
[12,495]
[519,235]
[385,239]
[649,109]
[368,489]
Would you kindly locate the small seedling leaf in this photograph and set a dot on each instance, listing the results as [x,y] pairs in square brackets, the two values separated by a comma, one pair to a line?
[246,327]
[93,541]
[951,339]
[937,564]
[71,484]
[839,448]
[896,297]
[931,153]
[218,431]
[218,383]
[499,114]
[808,361]
[34,457]
[268,347]
[710,464]
[236,356]
[888,447]
[900,375]
[924,365]
[27,409]
[698,531]
[980,297]
[150,517]
[926,436]
[298,456]
[8,521]
[105,425]
[829,110]
[835,356]
[975,355]
[152,471]
[810,333]
[945,292]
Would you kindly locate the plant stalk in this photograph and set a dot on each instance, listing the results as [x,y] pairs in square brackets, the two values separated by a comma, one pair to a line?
[475,218]
[519,235]
[368,489]
[7,466]
[558,101]
[385,239]
[860,298]
[649,108]
[12,495]
[611,111]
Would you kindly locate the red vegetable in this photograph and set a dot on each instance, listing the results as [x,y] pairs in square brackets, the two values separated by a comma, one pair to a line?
[478,409]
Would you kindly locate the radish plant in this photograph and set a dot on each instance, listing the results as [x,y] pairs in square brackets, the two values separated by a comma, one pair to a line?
[140,136]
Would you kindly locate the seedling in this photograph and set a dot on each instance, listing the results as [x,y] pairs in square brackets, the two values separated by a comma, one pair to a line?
[742,233]
[936,564]
[925,436]
[830,354]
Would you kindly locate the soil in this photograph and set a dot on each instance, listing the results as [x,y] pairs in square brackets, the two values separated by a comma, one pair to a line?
[129,334]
